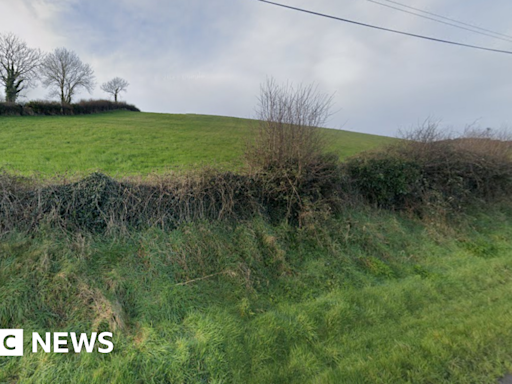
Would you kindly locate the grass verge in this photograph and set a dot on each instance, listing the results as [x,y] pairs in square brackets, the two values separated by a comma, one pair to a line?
[367,297]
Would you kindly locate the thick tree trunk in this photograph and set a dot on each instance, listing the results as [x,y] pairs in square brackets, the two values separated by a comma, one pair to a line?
[10,94]
[10,88]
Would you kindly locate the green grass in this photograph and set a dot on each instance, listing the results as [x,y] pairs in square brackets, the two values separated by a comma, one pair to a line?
[136,143]
[365,297]
[368,297]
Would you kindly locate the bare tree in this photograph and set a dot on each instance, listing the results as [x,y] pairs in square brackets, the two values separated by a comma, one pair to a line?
[288,153]
[18,65]
[289,118]
[115,87]
[64,73]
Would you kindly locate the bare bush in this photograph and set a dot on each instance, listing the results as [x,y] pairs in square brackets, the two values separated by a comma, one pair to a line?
[427,132]
[288,132]
[495,142]
[288,154]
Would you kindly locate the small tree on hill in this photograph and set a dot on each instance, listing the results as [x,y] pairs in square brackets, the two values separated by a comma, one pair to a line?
[288,151]
[64,73]
[115,87]
[18,66]
[289,120]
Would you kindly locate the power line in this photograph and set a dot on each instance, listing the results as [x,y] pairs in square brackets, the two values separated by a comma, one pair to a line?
[492,34]
[387,29]
[449,19]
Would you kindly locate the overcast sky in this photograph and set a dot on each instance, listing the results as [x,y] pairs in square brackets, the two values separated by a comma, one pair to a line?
[210,57]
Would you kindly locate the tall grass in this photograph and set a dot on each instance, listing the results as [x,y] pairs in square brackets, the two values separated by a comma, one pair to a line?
[367,297]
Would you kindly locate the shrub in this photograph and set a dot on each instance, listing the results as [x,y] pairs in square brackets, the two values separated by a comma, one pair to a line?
[287,155]
[53,108]
[290,191]
[98,202]
[386,180]
[473,166]
[10,109]
[46,108]
[432,168]
[96,106]
[287,133]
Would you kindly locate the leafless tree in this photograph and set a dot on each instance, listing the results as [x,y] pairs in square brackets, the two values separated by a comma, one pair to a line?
[288,153]
[64,73]
[289,117]
[115,87]
[18,65]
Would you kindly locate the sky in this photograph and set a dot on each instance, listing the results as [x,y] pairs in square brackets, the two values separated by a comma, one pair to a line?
[210,57]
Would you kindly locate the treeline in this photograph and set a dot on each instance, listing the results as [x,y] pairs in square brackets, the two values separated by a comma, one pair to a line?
[53,108]
[62,72]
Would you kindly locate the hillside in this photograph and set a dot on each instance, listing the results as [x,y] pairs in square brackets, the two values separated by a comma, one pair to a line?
[131,143]
[380,269]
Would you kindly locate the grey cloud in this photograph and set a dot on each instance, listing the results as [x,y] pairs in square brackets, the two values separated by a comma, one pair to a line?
[210,57]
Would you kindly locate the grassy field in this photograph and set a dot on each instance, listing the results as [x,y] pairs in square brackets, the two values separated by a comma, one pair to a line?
[385,299]
[353,295]
[136,143]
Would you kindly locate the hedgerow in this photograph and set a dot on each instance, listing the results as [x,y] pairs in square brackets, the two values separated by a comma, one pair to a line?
[448,172]
[52,108]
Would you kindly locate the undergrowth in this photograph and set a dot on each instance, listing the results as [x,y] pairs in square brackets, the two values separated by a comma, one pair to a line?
[364,297]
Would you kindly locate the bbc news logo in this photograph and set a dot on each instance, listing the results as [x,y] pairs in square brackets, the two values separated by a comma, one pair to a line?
[11,342]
